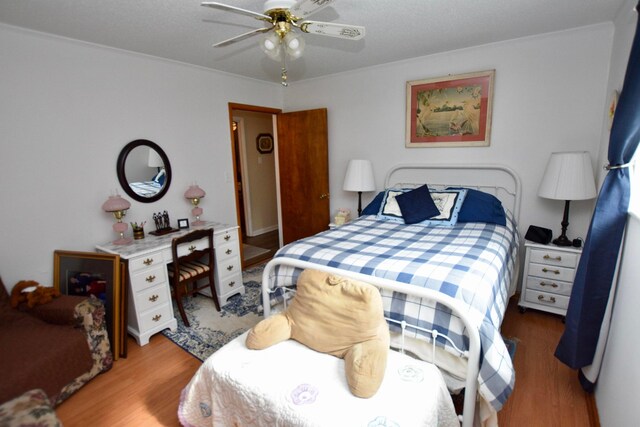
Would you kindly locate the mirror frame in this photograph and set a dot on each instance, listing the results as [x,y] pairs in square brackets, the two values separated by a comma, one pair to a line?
[120,168]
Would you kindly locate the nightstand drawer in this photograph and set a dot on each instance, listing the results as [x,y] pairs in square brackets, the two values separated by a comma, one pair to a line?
[551,257]
[228,266]
[226,251]
[551,300]
[549,286]
[552,272]
[150,298]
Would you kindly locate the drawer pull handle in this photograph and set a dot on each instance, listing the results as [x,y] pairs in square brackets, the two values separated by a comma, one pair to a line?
[156,317]
[192,248]
[228,251]
[227,237]
[150,278]
[148,261]
[555,258]
[552,300]
[546,270]
[229,268]
[153,298]
[232,283]
[552,284]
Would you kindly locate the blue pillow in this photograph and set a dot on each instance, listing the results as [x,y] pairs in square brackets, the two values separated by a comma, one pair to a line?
[417,205]
[448,203]
[479,206]
[374,206]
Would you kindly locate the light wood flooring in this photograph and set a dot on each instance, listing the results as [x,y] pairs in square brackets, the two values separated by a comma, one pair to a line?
[144,389]
[268,240]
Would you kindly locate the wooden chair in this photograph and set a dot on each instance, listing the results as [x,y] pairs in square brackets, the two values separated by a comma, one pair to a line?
[192,261]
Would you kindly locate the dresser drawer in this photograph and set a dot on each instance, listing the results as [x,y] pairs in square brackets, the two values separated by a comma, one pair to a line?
[227,250]
[149,277]
[549,286]
[556,258]
[544,298]
[552,272]
[146,261]
[155,317]
[151,298]
[228,266]
[230,284]
[220,239]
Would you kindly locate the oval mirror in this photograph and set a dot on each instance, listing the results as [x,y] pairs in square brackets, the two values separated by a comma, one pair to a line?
[144,171]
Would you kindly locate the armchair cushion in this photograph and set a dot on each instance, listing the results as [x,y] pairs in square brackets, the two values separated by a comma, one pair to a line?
[29,409]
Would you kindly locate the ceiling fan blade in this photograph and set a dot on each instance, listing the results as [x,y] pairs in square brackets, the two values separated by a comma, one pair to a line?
[343,31]
[242,36]
[304,8]
[216,5]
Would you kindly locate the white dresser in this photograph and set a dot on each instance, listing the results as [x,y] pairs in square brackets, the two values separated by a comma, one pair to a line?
[548,276]
[150,309]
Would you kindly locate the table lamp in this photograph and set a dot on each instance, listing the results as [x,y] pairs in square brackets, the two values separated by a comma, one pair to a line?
[195,193]
[359,177]
[568,176]
[118,206]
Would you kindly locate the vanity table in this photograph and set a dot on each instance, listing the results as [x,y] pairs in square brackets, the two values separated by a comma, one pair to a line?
[150,309]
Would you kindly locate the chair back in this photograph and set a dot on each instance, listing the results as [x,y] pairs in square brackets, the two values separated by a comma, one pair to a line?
[192,246]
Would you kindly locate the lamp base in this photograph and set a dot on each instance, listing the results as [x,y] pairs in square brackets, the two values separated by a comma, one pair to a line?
[562,241]
[123,241]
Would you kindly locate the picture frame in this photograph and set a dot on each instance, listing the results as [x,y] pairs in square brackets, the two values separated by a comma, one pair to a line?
[98,274]
[450,111]
[183,223]
[264,143]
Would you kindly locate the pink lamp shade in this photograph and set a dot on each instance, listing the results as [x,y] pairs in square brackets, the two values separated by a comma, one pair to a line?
[115,203]
[118,206]
[195,193]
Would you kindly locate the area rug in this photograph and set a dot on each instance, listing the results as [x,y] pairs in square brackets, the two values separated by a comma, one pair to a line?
[211,329]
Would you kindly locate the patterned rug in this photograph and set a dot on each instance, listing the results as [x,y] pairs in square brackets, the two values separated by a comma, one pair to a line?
[211,329]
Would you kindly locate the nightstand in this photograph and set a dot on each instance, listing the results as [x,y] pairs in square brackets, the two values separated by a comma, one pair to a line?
[548,276]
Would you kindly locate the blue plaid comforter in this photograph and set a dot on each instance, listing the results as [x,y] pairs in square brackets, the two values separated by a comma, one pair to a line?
[472,262]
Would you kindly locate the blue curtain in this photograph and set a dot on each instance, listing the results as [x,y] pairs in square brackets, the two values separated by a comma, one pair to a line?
[596,269]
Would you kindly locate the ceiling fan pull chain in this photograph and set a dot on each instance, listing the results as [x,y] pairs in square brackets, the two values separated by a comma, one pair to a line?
[283,75]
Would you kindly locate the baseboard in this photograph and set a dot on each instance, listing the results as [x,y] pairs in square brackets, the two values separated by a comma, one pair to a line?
[260,231]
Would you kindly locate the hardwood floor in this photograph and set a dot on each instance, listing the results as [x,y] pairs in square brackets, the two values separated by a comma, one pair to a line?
[144,389]
[268,240]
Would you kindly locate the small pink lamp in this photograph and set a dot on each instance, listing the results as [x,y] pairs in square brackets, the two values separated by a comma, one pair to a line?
[118,206]
[195,193]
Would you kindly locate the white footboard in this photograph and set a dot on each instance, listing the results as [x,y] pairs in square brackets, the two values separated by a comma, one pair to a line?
[472,355]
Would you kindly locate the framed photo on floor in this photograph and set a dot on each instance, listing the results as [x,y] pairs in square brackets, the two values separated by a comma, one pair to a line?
[98,274]
[450,111]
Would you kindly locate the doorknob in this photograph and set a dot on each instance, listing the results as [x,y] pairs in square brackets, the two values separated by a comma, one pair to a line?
[324,196]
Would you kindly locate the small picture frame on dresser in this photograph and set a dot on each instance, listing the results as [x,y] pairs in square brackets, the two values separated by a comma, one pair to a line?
[183,223]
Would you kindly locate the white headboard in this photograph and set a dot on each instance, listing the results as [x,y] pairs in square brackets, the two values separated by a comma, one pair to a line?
[501,181]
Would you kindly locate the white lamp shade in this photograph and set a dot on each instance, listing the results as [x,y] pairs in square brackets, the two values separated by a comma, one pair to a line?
[154,160]
[271,45]
[569,176]
[359,176]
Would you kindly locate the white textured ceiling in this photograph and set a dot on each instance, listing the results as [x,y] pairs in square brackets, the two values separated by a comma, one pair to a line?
[182,30]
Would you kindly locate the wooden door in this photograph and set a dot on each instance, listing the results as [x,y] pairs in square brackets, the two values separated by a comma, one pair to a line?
[303,165]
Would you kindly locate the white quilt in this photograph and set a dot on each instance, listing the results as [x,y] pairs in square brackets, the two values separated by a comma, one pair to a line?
[289,384]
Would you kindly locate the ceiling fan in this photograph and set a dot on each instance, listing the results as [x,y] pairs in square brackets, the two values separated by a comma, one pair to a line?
[284,17]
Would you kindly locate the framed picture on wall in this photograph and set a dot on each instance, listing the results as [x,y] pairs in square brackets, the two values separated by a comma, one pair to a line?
[450,111]
[90,273]
[264,143]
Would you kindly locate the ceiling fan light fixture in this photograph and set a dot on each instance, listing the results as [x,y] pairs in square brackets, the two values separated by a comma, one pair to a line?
[271,45]
[294,45]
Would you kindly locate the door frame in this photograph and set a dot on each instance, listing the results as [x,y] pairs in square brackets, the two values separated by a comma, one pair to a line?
[232,106]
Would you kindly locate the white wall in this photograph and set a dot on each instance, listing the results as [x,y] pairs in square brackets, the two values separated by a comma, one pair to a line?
[550,92]
[619,379]
[66,111]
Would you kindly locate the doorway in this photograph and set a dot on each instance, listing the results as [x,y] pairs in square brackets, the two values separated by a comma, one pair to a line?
[255,182]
